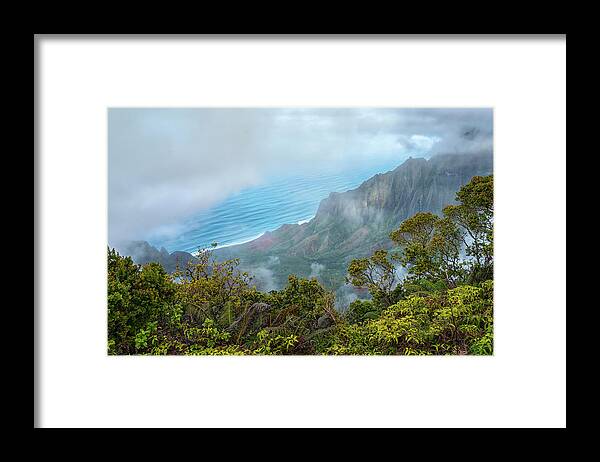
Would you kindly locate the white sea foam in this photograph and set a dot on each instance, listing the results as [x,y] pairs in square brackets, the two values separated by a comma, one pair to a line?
[301,222]
[250,239]
[241,241]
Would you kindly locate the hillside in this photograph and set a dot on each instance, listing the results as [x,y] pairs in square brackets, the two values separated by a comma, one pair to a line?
[354,223]
[142,252]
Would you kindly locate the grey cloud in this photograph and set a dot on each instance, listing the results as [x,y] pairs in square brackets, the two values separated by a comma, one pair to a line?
[273,260]
[401,274]
[167,164]
[264,275]
[343,297]
[264,279]
[316,269]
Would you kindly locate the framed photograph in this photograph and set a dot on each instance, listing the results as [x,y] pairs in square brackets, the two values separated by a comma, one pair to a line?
[355,223]
[300,231]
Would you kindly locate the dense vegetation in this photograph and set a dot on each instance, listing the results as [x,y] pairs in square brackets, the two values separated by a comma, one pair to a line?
[443,306]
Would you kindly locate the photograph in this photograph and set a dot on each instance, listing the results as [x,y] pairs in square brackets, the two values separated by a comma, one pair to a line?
[300,231]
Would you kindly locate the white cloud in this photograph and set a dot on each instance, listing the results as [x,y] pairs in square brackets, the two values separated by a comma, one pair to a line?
[273,260]
[315,270]
[263,279]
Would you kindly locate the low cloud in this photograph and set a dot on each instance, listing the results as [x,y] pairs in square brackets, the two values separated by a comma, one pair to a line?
[316,269]
[401,272]
[263,279]
[344,296]
[264,275]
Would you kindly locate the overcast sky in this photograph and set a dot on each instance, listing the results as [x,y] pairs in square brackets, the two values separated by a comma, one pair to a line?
[166,164]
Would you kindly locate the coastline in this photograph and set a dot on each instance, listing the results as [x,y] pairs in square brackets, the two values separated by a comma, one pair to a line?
[246,240]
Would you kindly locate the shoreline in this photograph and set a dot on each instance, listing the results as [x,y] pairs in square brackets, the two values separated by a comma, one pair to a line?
[245,241]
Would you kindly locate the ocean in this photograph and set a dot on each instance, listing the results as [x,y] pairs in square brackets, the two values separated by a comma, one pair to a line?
[292,198]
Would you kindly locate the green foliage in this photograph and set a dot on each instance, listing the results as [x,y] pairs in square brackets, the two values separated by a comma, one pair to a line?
[303,293]
[214,290]
[456,322]
[431,248]
[375,273]
[361,310]
[270,343]
[423,287]
[298,309]
[209,311]
[474,216]
[138,299]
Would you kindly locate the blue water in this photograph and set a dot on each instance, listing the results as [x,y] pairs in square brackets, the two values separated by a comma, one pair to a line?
[246,215]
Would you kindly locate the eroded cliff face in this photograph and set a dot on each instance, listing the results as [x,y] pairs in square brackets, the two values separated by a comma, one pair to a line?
[416,185]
